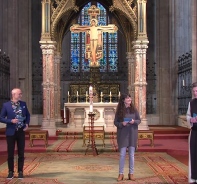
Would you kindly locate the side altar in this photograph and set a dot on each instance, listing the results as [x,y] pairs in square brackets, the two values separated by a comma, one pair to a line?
[78,114]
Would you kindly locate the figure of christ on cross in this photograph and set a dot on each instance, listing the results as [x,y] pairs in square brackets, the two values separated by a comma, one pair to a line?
[94,41]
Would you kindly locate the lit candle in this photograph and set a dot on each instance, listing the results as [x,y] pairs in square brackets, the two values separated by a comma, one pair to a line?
[101,93]
[91,108]
[110,93]
[68,93]
[183,82]
[77,93]
[64,113]
[90,89]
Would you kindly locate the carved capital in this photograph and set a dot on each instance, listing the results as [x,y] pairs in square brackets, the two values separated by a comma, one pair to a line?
[47,49]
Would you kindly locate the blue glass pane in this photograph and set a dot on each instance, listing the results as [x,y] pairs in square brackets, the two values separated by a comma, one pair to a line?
[103,61]
[84,19]
[75,52]
[105,38]
[113,54]
[102,17]
[112,38]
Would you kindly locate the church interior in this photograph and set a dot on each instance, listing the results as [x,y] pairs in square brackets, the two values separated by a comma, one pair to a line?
[145,48]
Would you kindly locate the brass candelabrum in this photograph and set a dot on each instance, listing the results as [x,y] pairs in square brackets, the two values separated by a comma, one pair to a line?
[91,142]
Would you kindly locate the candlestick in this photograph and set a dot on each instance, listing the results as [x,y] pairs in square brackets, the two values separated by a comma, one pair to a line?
[101,97]
[68,97]
[86,97]
[90,90]
[91,108]
[186,87]
[90,94]
[110,97]
[91,98]
[77,96]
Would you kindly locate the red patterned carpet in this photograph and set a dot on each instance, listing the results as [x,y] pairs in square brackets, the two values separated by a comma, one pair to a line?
[68,168]
[64,160]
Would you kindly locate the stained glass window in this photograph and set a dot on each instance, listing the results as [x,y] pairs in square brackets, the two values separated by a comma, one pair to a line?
[110,44]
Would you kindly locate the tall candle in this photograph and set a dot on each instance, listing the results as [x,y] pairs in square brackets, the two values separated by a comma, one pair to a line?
[77,93]
[119,93]
[90,89]
[183,82]
[86,93]
[91,108]
[68,93]
[101,93]
[110,93]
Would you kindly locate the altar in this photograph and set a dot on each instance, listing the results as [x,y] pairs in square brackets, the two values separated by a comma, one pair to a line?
[78,114]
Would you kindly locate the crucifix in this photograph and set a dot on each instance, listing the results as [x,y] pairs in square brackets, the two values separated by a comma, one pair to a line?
[94,36]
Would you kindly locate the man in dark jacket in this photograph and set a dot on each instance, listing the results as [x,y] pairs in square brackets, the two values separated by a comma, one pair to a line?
[16,116]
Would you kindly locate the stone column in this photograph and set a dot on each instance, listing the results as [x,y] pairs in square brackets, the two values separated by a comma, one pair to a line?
[140,48]
[131,74]
[58,117]
[194,40]
[49,85]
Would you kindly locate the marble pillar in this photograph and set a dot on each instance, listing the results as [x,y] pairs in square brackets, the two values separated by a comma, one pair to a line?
[131,73]
[49,85]
[58,117]
[140,48]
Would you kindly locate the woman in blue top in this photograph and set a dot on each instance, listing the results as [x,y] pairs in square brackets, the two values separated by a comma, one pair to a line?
[126,120]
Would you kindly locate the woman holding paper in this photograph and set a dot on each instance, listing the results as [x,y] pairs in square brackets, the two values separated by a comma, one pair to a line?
[126,120]
[192,121]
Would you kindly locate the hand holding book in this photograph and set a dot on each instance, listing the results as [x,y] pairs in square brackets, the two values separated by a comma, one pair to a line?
[194,115]
[194,118]
[127,120]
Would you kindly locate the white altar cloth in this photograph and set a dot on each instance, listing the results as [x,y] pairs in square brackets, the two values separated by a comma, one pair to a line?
[78,114]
